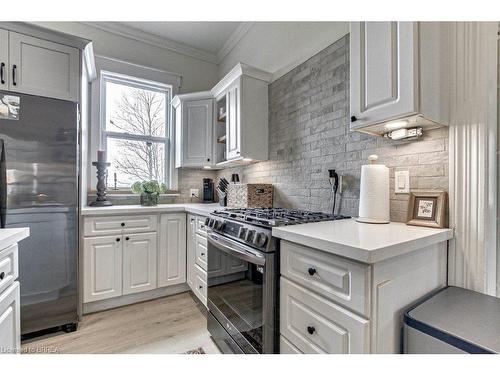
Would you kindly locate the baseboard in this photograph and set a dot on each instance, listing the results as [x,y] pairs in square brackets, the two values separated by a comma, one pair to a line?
[111,303]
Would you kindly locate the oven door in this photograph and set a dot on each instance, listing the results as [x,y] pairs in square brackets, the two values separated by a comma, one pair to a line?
[242,293]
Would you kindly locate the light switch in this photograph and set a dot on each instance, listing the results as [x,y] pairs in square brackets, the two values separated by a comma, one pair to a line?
[402,182]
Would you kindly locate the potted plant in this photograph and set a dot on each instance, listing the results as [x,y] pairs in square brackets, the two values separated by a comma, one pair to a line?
[149,190]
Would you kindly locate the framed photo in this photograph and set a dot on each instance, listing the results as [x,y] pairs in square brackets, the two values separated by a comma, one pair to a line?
[428,209]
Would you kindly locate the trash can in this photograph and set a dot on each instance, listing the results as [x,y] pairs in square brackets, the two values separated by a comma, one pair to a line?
[454,320]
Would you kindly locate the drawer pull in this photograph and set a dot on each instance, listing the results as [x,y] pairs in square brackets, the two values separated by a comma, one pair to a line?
[2,275]
[122,224]
[311,330]
[311,271]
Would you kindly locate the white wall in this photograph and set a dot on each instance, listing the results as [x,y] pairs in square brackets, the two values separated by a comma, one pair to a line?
[278,47]
[197,75]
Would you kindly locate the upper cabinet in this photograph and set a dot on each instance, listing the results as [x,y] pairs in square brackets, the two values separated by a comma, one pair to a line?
[38,67]
[225,126]
[400,75]
[194,119]
[4,59]
[242,115]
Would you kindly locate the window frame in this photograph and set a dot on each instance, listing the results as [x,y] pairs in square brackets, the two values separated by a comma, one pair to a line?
[123,79]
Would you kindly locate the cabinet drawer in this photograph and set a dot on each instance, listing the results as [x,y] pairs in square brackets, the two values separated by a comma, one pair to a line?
[201,228]
[316,325]
[335,278]
[286,347]
[10,322]
[9,267]
[200,284]
[98,226]
[201,252]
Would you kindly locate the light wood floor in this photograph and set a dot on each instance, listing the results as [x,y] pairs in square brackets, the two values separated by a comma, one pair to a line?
[170,325]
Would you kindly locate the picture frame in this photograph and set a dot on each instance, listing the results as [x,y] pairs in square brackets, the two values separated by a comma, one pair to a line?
[428,209]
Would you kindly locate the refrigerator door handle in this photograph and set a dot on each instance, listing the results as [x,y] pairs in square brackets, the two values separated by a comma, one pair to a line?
[3,185]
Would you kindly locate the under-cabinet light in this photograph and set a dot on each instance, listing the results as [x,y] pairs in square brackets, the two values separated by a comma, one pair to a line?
[404,134]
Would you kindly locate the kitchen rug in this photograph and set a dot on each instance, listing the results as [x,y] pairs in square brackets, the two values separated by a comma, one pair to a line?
[196,351]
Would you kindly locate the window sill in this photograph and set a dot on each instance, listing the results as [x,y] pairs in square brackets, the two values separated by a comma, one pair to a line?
[129,194]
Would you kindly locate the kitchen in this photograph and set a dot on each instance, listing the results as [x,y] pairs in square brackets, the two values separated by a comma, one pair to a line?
[203,195]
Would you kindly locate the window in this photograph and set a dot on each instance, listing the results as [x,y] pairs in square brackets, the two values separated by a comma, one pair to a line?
[135,129]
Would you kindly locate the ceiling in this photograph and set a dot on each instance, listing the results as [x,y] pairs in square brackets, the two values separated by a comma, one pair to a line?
[209,41]
[207,36]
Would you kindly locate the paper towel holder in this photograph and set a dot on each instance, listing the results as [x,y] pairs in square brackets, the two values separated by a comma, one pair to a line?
[366,215]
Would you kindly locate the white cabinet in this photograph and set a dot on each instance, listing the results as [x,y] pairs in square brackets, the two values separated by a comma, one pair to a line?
[4,59]
[399,75]
[194,126]
[103,267]
[172,250]
[10,320]
[242,115]
[40,67]
[190,250]
[233,137]
[139,262]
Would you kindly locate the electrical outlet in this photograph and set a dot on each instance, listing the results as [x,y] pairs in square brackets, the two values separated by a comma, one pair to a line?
[194,193]
[402,182]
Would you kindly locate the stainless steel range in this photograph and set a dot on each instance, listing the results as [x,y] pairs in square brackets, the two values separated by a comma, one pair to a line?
[243,272]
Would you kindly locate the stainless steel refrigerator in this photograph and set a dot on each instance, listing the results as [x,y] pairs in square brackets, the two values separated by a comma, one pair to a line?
[39,190]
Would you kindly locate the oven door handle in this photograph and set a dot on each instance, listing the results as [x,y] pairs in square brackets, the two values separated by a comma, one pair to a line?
[236,249]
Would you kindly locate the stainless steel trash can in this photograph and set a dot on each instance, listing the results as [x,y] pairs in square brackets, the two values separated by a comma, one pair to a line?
[454,320]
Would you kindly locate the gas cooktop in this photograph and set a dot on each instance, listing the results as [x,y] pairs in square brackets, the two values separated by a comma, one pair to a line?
[272,217]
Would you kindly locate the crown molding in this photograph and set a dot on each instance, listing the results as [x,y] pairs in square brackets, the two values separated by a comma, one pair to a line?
[154,40]
[233,40]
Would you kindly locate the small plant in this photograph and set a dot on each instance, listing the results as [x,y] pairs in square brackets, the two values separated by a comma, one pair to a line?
[149,190]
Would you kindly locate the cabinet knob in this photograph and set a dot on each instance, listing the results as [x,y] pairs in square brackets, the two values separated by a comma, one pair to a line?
[117,240]
[202,254]
[200,286]
[127,238]
[354,119]
[122,224]
[311,330]
[311,271]
[2,275]
[208,159]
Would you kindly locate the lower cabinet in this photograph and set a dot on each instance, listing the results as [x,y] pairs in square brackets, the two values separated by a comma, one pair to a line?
[10,323]
[139,262]
[103,266]
[124,261]
[172,250]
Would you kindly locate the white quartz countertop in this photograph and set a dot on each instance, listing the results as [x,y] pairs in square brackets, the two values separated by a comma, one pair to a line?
[203,209]
[367,243]
[9,236]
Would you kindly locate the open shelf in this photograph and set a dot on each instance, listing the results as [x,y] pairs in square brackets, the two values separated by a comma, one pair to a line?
[222,118]
[222,139]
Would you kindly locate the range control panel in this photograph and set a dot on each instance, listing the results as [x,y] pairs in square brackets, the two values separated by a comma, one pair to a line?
[254,236]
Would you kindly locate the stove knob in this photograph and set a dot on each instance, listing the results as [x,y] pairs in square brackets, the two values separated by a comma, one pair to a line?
[218,225]
[249,236]
[260,239]
[207,220]
[211,223]
[242,232]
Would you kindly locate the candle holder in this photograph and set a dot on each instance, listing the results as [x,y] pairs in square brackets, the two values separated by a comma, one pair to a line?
[101,200]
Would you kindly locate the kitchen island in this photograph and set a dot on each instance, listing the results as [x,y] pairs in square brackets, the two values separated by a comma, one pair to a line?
[345,286]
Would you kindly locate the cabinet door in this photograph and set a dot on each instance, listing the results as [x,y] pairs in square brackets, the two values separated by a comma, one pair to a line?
[10,320]
[172,251]
[197,129]
[102,264]
[4,59]
[40,67]
[383,65]
[233,145]
[139,262]
[190,250]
